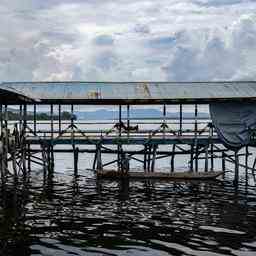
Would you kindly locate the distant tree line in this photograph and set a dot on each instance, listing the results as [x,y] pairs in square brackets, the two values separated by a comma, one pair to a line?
[41,116]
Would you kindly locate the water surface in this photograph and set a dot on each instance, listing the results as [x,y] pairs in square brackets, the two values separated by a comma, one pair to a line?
[63,215]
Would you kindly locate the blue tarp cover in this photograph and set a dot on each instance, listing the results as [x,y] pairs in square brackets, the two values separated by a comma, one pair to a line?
[234,122]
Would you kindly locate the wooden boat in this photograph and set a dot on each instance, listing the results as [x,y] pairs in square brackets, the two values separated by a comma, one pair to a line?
[111,174]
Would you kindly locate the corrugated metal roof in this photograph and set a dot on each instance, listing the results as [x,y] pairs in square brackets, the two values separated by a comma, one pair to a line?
[134,92]
[12,96]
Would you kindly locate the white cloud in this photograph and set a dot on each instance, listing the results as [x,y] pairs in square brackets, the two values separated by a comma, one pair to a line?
[127,40]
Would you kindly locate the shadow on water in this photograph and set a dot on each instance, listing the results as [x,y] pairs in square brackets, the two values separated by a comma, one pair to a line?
[65,215]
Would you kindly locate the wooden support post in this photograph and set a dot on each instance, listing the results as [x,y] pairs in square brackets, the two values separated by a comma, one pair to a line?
[223,158]
[34,117]
[196,158]
[211,148]
[76,154]
[72,115]
[119,147]
[14,165]
[49,164]
[50,147]
[196,139]
[23,145]
[145,158]
[99,159]
[149,157]
[212,157]
[154,158]
[6,116]
[23,158]
[128,120]
[44,159]
[29,158]
[21,118]
[253,166]
[126,164]
[5,136]
[6,140]
[246,163]
[120,120]
[119,158]
[180,128]
[192,157]
[59,117]
[95,158]
[24,119]
[206,159]
[51,116]
[236,178]
[164,120]
[52,157]
[1,117]
[172,157]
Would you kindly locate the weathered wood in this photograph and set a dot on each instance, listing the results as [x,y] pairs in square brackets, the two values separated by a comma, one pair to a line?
[76,154]
[154,158]
[149,157]
[145,157]
[34,118]
[191,157]
[246,163]
[1,117]
[172,157]
[160,175]
[206,158]
[223,159]
[59,118]
[29,157]
[99,159]
[180,121]
[236,178]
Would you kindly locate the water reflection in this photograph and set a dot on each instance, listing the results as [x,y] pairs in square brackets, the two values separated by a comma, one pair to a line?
[61,214]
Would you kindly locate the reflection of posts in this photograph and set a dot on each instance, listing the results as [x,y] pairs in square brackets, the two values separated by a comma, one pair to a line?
[125,163]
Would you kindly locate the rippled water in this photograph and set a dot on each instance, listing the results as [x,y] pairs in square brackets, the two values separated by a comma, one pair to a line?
[63,215]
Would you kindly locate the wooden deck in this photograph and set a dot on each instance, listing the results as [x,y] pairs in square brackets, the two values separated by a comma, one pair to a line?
[111,174]
[124,140]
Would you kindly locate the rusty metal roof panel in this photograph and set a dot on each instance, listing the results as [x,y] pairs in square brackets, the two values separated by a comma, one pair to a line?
[134,92]
[9,95]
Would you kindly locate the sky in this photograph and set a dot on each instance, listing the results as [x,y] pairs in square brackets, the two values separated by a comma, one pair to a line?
[127,40]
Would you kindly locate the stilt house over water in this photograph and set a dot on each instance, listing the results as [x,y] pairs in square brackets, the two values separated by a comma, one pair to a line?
[229,128]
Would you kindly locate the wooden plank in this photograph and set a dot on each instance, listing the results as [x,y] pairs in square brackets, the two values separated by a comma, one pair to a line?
[112,174]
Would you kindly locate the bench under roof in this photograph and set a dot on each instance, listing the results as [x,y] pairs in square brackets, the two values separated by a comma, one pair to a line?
[129,92]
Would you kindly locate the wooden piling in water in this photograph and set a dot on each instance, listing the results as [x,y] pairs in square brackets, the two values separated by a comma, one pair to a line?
[145,158]
[236,178]
[29,157]
[223,163]
[206,158]
[246,163]
[154,158]
[172,157]
[98,158]
[149,157]
[192,157]
[76,155]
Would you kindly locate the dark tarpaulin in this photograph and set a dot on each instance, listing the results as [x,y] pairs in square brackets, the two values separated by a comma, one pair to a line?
[234,122]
